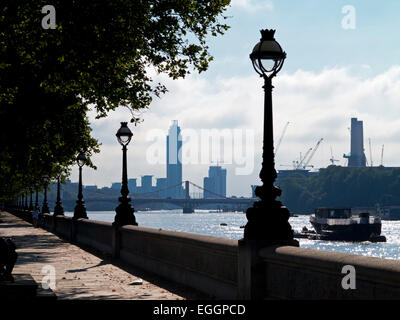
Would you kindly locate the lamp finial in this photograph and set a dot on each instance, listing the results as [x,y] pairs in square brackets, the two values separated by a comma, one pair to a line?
[267,34]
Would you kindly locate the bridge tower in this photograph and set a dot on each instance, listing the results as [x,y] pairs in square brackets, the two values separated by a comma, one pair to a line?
[188,207]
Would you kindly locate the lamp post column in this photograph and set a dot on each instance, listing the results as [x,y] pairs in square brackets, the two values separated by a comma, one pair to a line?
[45,207]
[26,201]
[37,198]
[30,202]
[124,211]
[80,208]
[58,209]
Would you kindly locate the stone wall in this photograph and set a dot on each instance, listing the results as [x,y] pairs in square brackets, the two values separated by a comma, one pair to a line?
[230,269]
[206,263]
[95,234]
[300,273]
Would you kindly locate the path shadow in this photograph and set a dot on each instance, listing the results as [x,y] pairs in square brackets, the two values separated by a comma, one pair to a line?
[46,239]
[101,263]
[173,287]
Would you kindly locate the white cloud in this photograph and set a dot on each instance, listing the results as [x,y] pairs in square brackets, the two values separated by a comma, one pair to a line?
[317,105]
[253,5]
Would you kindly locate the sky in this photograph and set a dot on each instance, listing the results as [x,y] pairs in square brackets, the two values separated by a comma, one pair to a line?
[342,62]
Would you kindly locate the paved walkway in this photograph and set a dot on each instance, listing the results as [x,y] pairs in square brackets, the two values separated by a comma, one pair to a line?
[79,273]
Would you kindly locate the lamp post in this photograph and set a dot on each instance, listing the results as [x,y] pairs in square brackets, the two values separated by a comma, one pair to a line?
[124,211]
[37,198]
[45,207]
[268,219]
[80,208]
[58,209]
[30,203]
[26,201]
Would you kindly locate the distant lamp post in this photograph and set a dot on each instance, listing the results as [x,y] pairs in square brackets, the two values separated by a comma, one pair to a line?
[37,198]
[45,207]
[80,208]
[58,209]
[124,211]
[26,201]
[30,202]
[268,219]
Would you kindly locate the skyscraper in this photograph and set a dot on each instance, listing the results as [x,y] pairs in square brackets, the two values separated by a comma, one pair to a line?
[215,182]
[174,161]
[357,156]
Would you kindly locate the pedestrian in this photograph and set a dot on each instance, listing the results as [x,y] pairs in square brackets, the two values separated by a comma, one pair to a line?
[35,216]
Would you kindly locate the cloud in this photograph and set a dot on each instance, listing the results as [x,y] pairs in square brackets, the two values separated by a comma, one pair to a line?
[253,5]
[317,105]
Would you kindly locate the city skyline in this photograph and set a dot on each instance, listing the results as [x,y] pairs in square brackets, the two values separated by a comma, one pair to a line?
[331,74]
[214,184]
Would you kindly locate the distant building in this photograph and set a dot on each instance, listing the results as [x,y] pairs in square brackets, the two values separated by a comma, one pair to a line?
[147,184]
[215,183]
[132,185]
[356,157]
[174,161]
[161,186]
[91,187]
[116,185]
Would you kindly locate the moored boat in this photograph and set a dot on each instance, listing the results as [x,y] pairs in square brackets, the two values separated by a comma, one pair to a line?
[340,224]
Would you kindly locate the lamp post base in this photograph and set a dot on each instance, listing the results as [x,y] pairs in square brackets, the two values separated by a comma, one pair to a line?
[124,214]
[269,224]
[80,211]
[58,210]
[45,208]
[268,220]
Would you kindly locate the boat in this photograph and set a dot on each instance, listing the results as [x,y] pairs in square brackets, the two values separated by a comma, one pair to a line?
[338,224]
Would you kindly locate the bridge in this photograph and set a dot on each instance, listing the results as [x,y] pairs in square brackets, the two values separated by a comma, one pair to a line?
[187,203]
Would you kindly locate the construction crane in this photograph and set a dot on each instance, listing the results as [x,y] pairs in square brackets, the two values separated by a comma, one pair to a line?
[306,162]
[332,159]
[370,151]
[300,164]
[382,155]
[280,139]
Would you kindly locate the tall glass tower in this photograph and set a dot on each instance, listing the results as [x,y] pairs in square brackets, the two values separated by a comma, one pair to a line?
[174,161]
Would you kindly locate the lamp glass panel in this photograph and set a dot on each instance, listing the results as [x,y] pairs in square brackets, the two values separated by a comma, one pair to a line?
[124,139]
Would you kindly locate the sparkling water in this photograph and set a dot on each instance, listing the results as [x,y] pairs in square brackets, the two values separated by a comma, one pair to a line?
[213,224]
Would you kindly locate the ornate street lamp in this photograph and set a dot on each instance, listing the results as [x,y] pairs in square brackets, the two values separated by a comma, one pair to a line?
[45,207]
[124,211]
[80,208]
[268,219]
[58,209]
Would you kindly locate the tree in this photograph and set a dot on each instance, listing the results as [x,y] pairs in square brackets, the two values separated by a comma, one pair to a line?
[341,187]
[101,54]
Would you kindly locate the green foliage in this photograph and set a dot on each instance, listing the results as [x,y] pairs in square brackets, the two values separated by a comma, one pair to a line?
[337,186]
[102,54]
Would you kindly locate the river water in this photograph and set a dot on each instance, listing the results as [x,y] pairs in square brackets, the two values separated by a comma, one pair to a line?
[209,223]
